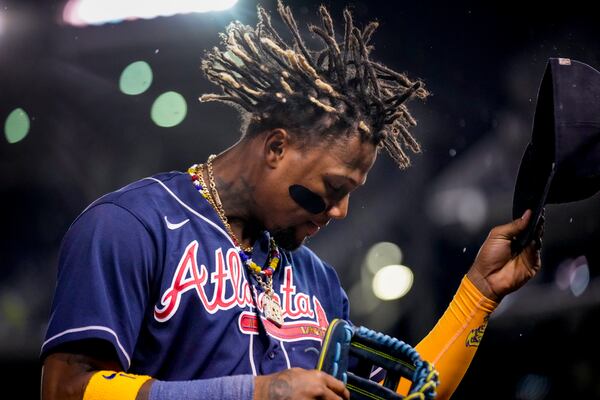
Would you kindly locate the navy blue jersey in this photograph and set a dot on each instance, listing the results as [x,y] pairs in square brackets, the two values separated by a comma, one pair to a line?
[151,269]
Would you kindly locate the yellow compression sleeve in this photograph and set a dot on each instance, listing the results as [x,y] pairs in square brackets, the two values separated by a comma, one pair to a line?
[451,344]
[109,385]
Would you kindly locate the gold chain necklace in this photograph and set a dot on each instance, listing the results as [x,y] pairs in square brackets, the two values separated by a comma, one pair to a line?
[215,200]
[270,307]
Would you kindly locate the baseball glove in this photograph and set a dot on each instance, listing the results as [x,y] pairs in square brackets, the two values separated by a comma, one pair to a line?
[370,349]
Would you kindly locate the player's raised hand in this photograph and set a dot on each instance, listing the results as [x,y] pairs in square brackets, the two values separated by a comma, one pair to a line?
[496,272]
[301,384]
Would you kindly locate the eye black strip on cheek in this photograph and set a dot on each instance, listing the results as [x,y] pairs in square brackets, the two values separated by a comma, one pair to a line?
[307,199]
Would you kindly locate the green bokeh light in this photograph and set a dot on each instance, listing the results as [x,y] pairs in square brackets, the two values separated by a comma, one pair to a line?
[13,310]
[16,126]
[168,110]
[136,78]
[235,59]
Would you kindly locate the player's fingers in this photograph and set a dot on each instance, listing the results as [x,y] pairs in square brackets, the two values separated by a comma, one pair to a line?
[336,386]
[533,257]
[513,228]
[539,231]
[332,395]
[542,221]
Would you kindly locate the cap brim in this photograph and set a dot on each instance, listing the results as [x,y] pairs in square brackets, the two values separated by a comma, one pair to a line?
[537,165]
[531,191]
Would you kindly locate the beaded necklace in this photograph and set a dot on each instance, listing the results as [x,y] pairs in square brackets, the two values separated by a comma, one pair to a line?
[264,276]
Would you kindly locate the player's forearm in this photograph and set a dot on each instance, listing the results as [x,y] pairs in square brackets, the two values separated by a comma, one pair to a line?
[138,387]
[453,342]
[238,387]
[67,376]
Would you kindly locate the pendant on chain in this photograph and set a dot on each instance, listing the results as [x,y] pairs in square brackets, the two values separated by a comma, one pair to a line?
[272,310]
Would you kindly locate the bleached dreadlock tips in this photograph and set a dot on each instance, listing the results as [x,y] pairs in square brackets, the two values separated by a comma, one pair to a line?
[280,97]
[363,127]
[266,76]
[209,97]
[226,78]
[286,86]
[322,105]
[325,87]
[250,43]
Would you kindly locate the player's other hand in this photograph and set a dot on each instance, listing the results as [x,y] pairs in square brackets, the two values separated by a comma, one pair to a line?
[300,384]
[496,272]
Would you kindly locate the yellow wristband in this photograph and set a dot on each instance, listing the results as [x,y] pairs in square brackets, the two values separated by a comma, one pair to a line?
[112,385]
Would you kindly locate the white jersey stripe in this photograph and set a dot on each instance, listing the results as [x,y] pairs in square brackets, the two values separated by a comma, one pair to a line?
[287,358]
[92,328]
[251,352]
[218,228]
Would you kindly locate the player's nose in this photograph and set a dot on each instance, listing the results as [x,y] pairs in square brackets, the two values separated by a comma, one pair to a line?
[339,209]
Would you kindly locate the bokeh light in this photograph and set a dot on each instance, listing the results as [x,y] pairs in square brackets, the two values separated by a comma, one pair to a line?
[573,274]
[580,279]
[13,309]
[382,254]
[16,126]
[136,78]
[392,282]
[168,110]
[466,206]
[96,12]
[533,387]
[233,58]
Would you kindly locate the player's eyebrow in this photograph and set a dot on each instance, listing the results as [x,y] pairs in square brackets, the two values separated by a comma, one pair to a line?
[348,179]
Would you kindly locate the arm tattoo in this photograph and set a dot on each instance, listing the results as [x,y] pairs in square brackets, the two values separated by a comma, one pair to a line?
[76,359]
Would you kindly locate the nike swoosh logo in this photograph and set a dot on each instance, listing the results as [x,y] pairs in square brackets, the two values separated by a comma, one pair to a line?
[114,374]
[177,225]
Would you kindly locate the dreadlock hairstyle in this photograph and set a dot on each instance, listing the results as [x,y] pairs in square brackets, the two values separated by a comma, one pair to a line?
[277,84]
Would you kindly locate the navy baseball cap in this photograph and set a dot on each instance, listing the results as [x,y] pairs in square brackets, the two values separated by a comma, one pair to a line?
[561,163]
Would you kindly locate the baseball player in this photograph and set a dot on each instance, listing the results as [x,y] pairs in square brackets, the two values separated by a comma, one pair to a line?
[196,284]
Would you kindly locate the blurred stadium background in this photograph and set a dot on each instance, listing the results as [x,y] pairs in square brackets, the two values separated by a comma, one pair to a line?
[93,97]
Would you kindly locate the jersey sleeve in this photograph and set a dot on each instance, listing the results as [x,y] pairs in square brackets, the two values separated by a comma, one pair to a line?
[345,305]
[338,293]
[453,342]
[103,283]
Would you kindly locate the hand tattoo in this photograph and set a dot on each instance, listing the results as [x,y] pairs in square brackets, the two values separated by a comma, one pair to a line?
[280,389]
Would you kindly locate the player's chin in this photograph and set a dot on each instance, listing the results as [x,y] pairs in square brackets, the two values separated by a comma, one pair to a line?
[290,238]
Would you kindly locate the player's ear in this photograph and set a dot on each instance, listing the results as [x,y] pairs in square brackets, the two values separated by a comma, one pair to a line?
[276,144]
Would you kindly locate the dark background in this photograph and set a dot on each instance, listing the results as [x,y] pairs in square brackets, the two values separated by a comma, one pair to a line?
[483,64]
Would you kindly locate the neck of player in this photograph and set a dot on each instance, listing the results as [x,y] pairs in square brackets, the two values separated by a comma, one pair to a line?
[234,177]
